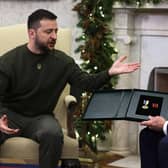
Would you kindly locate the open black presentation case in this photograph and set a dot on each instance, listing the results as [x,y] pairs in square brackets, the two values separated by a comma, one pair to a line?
[126,104]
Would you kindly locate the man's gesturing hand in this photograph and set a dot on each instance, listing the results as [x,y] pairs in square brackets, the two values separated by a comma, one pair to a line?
[4,126]
[120,68]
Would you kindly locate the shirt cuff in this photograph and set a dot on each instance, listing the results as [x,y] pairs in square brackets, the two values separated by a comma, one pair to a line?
[165,127]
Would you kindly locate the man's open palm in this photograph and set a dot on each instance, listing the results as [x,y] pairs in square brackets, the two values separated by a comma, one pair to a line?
[119,67]
[4,126]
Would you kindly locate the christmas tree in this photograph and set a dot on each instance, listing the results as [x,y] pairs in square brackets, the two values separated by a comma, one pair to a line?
[98,53]
[97,47]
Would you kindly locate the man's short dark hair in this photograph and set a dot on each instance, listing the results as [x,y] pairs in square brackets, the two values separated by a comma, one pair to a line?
[35,18]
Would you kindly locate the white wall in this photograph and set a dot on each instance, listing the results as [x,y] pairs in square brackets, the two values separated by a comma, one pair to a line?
[151,30]
[154,54]
[16,11]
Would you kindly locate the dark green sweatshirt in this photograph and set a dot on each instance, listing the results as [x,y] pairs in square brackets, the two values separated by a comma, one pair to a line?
[30,84]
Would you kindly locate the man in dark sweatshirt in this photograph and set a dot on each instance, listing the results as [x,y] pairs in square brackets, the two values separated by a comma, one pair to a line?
[32,77]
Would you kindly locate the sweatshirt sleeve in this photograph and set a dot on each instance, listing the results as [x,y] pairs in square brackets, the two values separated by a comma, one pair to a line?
[86,81]
[4,84]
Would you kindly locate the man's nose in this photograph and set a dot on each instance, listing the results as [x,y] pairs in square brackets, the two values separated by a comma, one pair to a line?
[54,35]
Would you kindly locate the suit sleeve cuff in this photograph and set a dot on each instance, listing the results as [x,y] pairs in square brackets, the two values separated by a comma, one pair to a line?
[165,127]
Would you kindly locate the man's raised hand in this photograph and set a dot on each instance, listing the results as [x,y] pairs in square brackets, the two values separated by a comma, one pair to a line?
[120,68]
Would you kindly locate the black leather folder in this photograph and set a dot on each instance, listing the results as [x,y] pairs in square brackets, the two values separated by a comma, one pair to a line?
[126,104]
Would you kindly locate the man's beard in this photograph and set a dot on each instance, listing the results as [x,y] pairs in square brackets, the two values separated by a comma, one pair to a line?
[43,47]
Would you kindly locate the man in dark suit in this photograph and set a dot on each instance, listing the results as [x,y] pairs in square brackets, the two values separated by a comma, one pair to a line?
[154,143]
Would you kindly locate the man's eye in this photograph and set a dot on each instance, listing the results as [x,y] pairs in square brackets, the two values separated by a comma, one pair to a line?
[48,31]
[56,31]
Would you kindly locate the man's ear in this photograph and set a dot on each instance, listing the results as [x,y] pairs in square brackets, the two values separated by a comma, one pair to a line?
[31,33]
